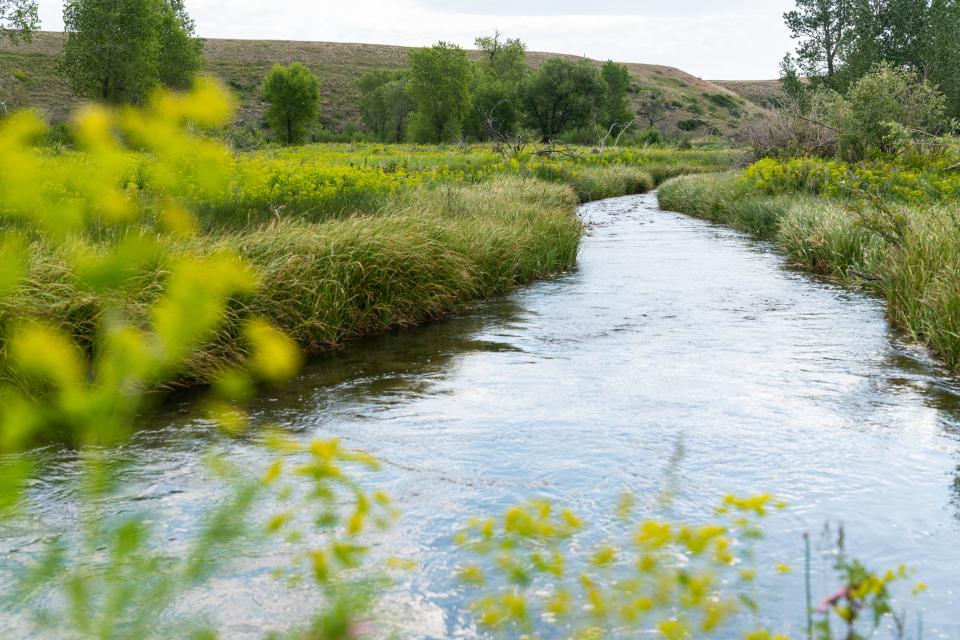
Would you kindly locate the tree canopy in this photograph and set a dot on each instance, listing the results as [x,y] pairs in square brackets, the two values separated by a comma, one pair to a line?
[440,82]
[501,70]
[293,93]
[561,95]
[385,103]
[841,41]
[614,109]
[118,51]
[18,19]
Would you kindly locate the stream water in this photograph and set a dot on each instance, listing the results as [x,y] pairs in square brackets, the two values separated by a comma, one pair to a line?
[673,334]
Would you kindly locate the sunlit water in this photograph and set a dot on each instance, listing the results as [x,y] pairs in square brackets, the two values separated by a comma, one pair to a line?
[671,332]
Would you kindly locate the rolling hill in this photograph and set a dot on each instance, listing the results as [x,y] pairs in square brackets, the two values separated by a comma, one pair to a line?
[29,78]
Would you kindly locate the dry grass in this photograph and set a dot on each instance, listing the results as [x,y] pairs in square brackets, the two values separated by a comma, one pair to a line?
[764,93]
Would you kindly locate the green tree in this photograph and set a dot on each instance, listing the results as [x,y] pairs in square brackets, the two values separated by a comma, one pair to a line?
[294,95]
[18,19]
[118,51]
[385,103]
[502,68]
[112,48]
[614,109]
[505,60]
[824,30]
[181,53]
[943,53]
[561,95]
[440,82]
[796,91]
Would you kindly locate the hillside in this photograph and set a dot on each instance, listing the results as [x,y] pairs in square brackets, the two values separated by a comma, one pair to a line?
[29,78]
[764,93]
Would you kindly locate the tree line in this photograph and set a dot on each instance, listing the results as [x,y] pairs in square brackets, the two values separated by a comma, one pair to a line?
[443,95]
[868,79]
[119,51]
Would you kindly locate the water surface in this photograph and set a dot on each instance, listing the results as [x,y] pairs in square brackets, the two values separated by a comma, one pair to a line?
[672,332]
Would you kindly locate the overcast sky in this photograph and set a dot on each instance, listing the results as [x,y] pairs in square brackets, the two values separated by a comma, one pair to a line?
[713,39]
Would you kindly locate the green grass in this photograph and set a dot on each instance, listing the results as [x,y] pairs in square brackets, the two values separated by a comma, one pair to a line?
[348,240]
[324,283]
[908,254]
[406,258]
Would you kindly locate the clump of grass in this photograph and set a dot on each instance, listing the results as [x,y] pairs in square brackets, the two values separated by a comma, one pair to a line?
[826,238]
[325,283]
[721,198]
[597,183]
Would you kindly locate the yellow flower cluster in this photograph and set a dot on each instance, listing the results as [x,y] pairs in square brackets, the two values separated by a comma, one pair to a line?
[669,577]
[910,183]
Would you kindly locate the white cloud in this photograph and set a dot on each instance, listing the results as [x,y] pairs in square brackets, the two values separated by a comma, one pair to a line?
[743,39]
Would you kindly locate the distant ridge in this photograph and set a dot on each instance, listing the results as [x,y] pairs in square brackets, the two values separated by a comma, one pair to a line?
[29,78]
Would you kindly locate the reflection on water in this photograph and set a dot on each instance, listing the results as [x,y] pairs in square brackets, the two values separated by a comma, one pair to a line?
[577,388]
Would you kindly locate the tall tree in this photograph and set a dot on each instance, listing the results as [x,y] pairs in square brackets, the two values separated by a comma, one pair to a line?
[18,19]
[502,68]
[614,109]
[180,56]
[561,95]
[294,94]
[440,81]
[943,53]
[385,103]
[823,28]
[112,48]
[118,51]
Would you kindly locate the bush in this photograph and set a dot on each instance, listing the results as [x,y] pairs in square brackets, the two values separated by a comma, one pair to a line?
[790,131]
[884,96]
[692,124]
[646,137]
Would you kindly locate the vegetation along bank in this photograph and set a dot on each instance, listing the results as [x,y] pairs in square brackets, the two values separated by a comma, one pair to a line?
[345,240]
[876,208]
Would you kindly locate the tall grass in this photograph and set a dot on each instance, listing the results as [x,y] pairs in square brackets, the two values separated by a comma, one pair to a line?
[909,254]
[324,283]
[324,182]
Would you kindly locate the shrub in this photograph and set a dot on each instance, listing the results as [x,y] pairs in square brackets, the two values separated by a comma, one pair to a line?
[692,124]
[793,129]
[884,96]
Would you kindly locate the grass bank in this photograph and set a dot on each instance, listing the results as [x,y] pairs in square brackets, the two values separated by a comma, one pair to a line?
[426,255]
[342,240]
[908,253]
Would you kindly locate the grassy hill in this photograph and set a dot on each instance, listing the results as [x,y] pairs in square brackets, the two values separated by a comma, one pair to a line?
[764,93]
[29,78]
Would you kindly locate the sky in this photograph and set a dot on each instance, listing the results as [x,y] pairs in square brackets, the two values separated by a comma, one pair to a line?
[712,39]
